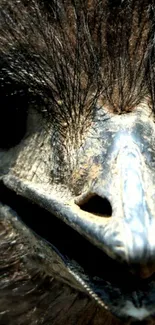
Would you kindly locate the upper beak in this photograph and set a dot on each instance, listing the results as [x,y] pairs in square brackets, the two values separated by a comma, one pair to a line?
[127,181]
[130,232]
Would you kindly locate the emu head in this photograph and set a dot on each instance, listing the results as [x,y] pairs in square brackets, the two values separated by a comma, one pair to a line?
[77,159]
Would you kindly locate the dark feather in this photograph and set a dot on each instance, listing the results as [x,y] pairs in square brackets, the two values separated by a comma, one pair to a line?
[71,53]
[28,292]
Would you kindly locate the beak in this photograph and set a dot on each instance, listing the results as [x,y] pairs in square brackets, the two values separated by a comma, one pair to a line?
[127,182]
[130,232]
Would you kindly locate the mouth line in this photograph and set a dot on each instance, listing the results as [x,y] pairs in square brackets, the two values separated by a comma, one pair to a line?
[89,262]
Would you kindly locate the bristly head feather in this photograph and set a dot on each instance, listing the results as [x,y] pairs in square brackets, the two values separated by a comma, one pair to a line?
[74,52]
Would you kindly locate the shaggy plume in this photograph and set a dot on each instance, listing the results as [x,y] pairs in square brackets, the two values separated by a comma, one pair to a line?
[71,53]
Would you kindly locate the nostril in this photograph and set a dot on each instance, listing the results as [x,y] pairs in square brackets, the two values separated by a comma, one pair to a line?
[96,205]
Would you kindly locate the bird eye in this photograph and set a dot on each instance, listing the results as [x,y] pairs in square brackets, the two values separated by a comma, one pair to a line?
[13,114]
